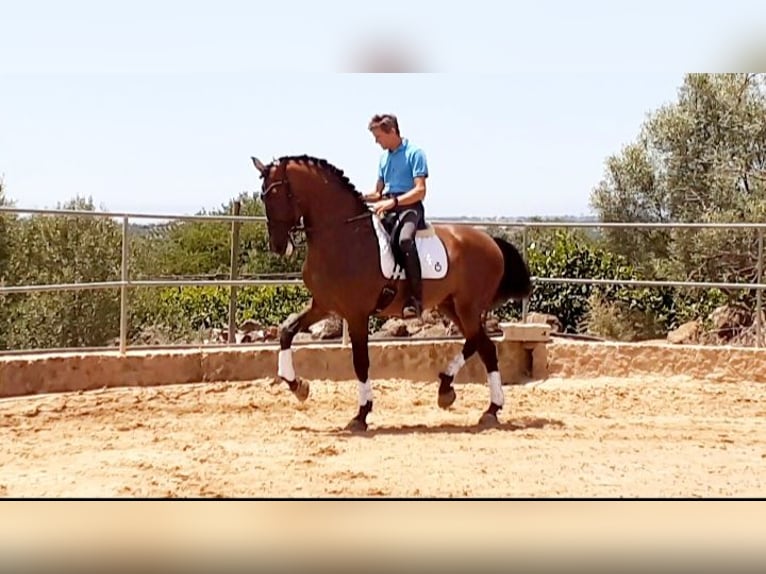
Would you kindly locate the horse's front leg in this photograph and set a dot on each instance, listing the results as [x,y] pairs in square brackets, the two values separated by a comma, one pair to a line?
[358,333]
[287,331]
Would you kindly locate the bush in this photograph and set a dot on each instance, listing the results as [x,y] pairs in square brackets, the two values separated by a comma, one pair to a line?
[613,311]
[191,309]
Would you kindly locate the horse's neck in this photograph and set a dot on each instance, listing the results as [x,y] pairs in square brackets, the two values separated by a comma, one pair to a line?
[341,250]
[337,226]
[332,207]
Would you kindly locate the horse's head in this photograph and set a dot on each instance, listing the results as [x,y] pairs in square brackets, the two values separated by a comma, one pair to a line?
[310,192]
[282,212]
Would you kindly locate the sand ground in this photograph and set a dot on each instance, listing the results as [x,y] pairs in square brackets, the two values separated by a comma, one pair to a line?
[605,437]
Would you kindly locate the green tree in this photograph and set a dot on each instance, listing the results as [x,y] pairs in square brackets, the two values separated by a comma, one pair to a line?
[7,223]
[701,158]
[71,249]
[186,248]
[197,249]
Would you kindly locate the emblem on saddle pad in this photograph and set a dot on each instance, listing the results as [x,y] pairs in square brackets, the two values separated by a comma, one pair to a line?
[431,252]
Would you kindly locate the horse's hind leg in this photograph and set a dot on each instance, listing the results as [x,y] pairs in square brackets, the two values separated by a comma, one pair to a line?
[488,353]
[447,394]
[474,331]
[287,331]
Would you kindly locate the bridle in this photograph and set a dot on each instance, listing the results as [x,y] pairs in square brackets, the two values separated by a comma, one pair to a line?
[293,228]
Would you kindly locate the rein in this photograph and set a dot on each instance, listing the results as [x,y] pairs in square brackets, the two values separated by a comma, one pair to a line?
[359,217]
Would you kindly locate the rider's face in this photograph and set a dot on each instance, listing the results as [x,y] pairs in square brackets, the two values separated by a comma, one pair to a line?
[385,140]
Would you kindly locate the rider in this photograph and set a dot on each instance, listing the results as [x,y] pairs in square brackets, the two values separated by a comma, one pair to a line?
[399,194]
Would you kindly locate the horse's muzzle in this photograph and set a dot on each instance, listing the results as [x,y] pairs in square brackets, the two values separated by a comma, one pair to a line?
[283,246]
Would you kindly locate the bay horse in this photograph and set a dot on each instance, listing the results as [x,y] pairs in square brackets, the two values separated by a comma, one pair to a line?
[351,270]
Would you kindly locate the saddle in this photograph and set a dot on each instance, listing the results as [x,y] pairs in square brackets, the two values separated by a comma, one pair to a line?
[431,251]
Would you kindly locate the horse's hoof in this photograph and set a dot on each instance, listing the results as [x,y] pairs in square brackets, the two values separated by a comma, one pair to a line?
[488,420]
[446,399]
[356,425]
[301,391]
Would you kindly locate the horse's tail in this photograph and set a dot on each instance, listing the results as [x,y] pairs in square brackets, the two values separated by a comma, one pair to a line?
[516,282]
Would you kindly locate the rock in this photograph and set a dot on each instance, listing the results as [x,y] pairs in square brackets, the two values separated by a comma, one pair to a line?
[218,336]
[451,329]
[492,326]
[437,330]
[250,331]
[303,338]
[330,328]
[431,317]
[686,333]
[729,320]
[395,328]
[250,325]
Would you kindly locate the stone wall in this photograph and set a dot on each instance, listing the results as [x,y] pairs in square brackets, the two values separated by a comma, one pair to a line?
[704,362]
[61,372]
[413,360]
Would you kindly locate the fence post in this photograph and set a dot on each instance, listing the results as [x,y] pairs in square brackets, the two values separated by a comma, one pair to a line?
[525,300]
[758,292]
[124,287]
[234,272]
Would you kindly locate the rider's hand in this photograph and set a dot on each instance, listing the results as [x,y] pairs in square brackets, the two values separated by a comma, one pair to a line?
[380,207]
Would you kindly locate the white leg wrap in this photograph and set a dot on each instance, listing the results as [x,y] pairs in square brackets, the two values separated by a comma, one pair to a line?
[495,388]
[455,365]
[365,392]
[286,369]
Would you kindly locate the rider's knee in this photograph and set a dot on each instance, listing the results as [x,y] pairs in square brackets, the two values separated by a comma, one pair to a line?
[406,244]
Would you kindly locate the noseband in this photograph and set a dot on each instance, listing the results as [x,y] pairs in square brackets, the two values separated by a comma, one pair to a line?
[285,183]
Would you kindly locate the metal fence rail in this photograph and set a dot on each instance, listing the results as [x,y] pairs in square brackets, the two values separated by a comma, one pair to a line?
[236,220]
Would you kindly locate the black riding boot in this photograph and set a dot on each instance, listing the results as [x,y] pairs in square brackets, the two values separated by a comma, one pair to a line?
[414,304]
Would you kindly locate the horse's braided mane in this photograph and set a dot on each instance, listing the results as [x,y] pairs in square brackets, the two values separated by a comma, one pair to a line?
[326,165]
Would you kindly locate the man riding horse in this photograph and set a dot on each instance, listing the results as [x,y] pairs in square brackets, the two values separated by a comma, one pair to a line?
[398,199]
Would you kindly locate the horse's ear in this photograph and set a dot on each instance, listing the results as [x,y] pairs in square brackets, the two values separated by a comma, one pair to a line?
[259,165]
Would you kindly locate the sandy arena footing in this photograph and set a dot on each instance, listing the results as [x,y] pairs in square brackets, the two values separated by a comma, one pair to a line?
[608,420]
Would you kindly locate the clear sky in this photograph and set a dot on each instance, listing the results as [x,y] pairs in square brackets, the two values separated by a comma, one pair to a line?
[157,106]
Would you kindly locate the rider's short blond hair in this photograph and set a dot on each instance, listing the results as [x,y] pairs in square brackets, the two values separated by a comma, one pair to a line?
[386,122]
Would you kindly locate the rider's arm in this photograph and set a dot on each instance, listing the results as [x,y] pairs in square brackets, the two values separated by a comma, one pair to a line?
[376,195]
[417,193]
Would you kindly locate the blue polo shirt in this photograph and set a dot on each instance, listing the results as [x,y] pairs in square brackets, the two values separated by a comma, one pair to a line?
[399,168]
